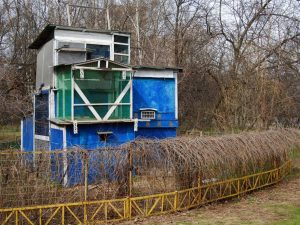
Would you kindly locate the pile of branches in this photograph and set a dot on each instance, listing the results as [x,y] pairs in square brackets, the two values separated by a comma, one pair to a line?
[191,158]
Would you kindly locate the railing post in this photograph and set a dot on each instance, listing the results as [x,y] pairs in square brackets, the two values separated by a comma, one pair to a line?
[17,217]
[176,201]
[62,215]
[40,216]
[238,188]
[290,165]
[127,208]
[85,220]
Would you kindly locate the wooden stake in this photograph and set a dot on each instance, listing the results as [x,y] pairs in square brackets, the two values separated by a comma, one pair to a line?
[130,171]
[86,167]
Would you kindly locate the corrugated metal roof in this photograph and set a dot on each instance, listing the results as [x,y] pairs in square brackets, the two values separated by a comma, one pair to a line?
[48,33]
[157,68]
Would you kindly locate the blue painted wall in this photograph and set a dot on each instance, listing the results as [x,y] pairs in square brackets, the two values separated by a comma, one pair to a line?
[88,138]
[158,93]
[56,139]
[158,133]
[27,134]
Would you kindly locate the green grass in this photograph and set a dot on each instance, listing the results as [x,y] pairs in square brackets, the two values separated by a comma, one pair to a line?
[9,132]
[10,137]
[290,214]
[295,153]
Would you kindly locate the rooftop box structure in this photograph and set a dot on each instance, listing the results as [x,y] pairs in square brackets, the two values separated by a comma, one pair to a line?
[59,45]
[88,94]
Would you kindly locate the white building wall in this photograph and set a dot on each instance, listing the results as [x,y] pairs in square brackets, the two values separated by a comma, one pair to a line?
[44,67]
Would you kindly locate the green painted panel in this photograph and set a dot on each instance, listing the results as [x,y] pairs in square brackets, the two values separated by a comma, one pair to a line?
[83,113]
[64,92]
[102,87]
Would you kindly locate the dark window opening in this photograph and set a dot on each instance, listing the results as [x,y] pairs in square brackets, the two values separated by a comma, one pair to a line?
[42,114]
[104,136]
[96,51]
[102,64]
[121,39]
[121,49]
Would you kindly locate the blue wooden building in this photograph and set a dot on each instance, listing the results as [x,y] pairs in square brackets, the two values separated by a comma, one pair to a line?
[88,94]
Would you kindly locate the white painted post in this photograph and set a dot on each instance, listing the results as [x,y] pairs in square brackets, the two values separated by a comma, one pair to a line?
[68,14]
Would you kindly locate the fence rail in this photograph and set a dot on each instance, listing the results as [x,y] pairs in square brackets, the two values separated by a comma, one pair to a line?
[90,212]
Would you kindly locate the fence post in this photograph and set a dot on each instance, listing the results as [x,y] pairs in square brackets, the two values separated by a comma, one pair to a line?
[176,201]
[86,167]
[130,171]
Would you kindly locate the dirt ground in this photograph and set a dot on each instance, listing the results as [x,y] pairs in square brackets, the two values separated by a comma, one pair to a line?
[276,205]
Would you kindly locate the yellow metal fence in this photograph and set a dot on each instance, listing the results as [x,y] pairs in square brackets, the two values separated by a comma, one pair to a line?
[92,212]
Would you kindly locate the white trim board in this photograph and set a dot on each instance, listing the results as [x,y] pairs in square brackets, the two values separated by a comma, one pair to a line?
[22,127]
[154,73]
[176,95]
[41,137]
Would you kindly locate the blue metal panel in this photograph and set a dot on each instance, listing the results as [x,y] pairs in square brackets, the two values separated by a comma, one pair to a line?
[88,137]
[27,134]
[159,124]
[158,93]
[159,133]
[56,139]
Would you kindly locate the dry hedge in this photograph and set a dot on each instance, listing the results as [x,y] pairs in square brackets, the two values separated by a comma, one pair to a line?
[218,157]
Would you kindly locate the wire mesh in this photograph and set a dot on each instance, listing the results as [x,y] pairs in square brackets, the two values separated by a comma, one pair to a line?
[61,176]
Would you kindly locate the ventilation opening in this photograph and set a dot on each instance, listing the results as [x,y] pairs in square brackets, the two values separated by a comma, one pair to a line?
[148,114]
[103,136]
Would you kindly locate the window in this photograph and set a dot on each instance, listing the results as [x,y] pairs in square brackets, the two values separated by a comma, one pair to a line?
[42,114]
[121,59]
[121,49]
[148,114]
[121,39]
[96,51]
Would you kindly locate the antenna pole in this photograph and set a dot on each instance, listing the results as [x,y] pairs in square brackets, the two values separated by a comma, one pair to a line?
[107,15]
[68,14]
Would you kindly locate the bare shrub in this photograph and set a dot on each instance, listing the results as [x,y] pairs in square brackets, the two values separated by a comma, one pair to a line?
[188,159]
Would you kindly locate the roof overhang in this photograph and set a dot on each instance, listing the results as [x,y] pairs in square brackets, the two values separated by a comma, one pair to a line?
[175,69]
[48,33]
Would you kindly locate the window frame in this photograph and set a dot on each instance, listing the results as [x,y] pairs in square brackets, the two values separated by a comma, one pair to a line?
[120,43]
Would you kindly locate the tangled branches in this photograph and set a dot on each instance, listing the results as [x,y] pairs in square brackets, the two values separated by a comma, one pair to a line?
[209,158]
